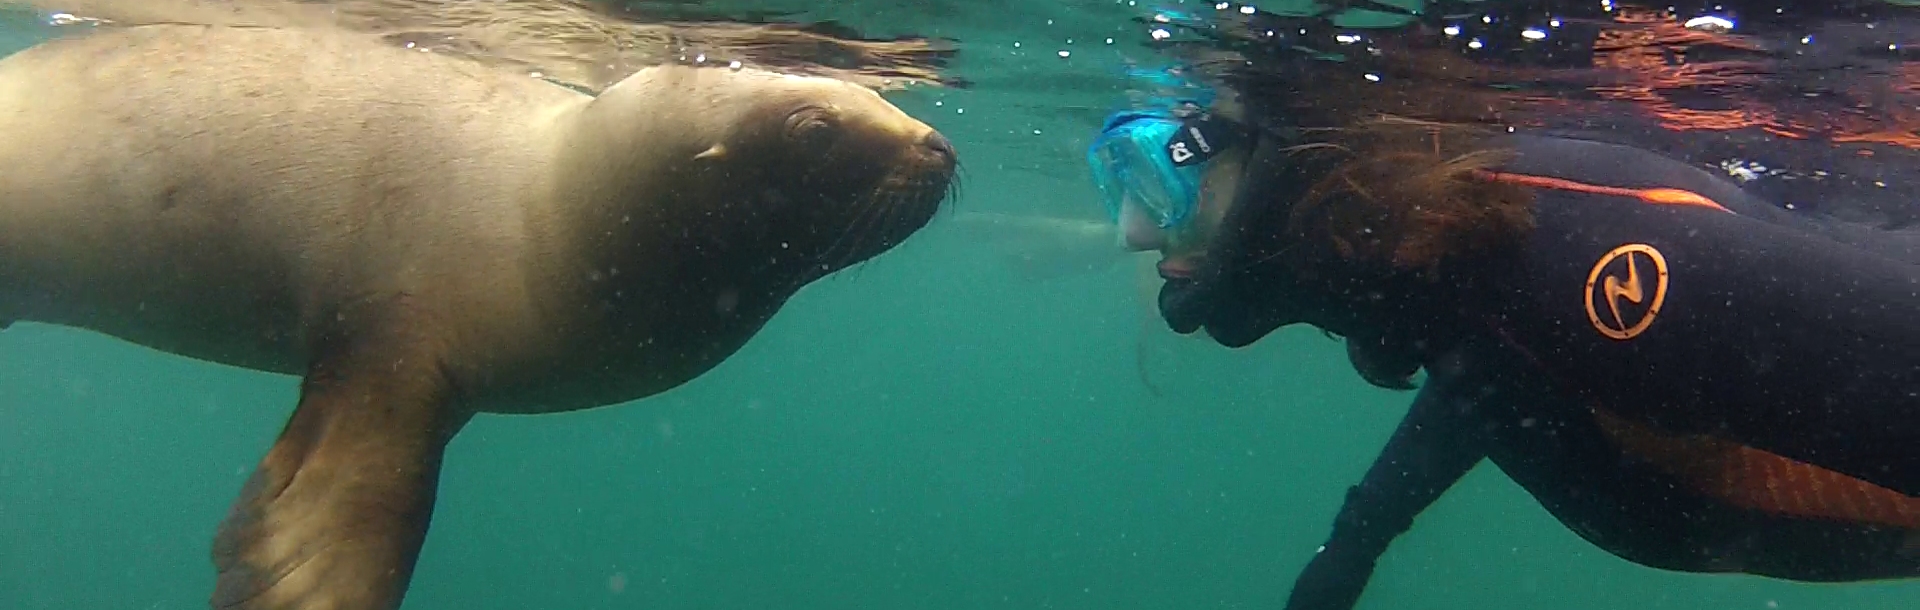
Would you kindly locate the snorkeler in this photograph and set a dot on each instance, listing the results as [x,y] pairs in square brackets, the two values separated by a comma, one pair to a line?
[1686,376]
[1696,308]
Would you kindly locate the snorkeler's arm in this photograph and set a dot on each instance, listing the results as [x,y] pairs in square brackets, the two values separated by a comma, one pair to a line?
[1438,442]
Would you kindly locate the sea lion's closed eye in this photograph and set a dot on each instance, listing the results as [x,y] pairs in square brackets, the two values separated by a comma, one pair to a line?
[811,124]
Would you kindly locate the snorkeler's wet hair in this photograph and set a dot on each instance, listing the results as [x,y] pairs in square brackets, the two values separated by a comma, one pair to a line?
[1403,195]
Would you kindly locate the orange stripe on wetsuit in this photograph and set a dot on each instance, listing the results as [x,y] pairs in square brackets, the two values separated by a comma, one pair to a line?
[1738,474]
[1662,196]
[1757,480]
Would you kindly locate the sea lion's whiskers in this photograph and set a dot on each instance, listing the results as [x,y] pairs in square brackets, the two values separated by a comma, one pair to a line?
[858,232]
[874,227]
[951,198]
[897,205]
[830,257]
[890,217]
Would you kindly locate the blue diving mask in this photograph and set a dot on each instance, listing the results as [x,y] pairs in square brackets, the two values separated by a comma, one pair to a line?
[1156,161]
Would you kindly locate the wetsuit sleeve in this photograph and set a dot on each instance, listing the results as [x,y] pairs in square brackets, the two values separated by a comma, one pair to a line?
[1436,444]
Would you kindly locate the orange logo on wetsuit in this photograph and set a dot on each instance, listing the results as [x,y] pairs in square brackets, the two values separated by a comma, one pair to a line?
[1625,290]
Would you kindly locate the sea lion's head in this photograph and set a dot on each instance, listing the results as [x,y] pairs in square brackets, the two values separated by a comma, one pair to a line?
[850,173]
[791,177]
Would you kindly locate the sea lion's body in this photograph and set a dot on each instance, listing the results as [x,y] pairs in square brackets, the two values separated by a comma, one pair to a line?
[216,232]
[421,238]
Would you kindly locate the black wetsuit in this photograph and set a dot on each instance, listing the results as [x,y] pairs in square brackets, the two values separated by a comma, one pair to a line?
[1790,335]
[1780,331]
[1478,407]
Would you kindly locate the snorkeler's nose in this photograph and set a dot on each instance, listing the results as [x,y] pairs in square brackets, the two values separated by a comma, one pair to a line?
[1137,232]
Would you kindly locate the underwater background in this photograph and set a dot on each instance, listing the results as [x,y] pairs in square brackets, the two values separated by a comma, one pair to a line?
[990,416]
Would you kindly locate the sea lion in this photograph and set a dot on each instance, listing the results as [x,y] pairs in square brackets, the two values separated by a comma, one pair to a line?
[422,238]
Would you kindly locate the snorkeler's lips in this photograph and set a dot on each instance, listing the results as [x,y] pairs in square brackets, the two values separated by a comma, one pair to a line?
[1176,269]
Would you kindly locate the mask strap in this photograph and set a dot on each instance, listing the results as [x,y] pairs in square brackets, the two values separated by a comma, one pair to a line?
[1200,139]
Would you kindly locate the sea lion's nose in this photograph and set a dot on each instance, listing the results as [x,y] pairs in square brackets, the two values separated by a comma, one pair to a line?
[940,146]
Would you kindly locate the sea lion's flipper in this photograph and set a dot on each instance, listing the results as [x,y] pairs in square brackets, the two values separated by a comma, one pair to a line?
[334,516]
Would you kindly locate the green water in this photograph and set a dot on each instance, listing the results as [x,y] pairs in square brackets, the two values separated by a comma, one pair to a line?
[926,432]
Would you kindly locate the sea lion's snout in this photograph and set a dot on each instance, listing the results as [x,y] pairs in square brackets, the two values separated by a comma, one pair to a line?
[926,183]
[941,147]
[939,164]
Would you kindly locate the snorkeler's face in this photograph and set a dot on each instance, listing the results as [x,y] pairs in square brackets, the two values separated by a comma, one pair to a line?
[1182,246]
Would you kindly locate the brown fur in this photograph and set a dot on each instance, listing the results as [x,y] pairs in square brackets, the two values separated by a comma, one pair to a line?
[1403,197]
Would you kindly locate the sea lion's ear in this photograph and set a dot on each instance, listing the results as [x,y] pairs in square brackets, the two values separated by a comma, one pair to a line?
[335,514]
[717,151]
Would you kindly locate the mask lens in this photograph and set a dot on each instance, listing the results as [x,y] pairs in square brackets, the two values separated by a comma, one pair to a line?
[1129,167]
[1109,173]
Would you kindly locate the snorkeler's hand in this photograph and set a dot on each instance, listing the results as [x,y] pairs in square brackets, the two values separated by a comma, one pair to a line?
[1334,580]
